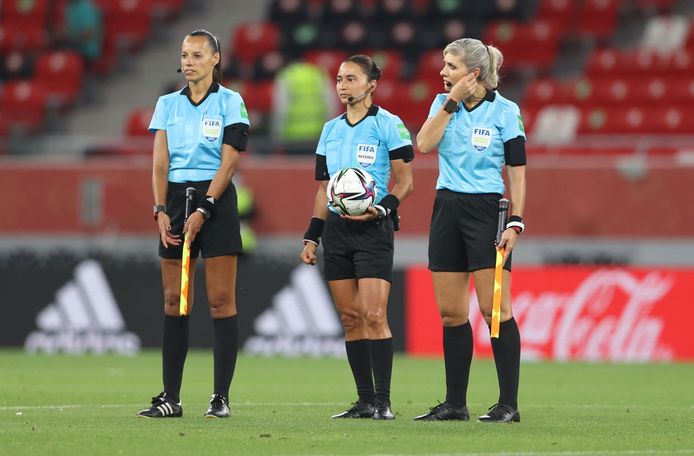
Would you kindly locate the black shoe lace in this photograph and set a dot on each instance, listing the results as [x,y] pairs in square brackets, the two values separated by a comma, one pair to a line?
[496,410]
[159,399]
[437,407]
[218,400]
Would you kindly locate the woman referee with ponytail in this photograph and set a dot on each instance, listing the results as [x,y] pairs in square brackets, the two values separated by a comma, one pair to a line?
[477,132]
[359,249]
[199,132]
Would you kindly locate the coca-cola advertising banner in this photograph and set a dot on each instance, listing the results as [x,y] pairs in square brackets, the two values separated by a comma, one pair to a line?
[575,313]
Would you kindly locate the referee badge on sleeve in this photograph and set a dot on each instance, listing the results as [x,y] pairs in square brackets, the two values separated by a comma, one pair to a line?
[211,128]
[481,138]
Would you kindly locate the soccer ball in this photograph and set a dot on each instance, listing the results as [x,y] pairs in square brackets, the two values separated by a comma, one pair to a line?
[351,191]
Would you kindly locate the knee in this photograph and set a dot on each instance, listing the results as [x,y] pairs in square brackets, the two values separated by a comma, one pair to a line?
[172,300]
[375,318]
[452,319]
[350,321]
[219,303]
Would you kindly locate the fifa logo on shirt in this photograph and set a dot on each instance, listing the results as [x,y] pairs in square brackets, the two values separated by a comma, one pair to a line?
[366,154]
[481,138]
[211,128]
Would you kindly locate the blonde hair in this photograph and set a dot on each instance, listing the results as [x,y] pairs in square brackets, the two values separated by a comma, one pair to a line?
[475,54]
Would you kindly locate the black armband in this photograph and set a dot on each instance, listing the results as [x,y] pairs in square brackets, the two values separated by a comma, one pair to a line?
[236,135]
[206,207]
[314,231]
[514,151]
[321,168]
[388,204]
[516,222]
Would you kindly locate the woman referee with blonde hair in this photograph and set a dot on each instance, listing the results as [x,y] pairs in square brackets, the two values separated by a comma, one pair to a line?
[477,132]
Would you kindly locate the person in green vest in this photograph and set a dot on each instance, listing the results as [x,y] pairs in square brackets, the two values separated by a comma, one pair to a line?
[246,209]
[303,102]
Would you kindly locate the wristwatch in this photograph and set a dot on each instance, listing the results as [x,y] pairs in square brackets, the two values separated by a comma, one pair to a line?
[157,208]
[451,106]
[205,213]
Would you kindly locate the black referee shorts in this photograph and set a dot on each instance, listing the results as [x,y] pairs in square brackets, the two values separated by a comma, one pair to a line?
[358,249]
[463,231]
[219,235]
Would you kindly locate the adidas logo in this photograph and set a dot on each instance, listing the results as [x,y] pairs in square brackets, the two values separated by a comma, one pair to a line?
[300,322]
[83,318]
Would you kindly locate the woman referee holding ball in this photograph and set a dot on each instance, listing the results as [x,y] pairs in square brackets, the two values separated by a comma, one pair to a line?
[477,132]
[199,132]
[359,249]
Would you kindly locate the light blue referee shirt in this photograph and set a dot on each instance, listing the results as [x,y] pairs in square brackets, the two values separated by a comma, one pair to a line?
[195,131]
[369,144]
[471,151]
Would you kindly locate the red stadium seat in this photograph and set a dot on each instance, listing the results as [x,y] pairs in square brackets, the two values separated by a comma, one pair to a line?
[558,11]
[525,46]
[108,61]
[258,96]
[61,74]
[389,61]
[612,120]
[22,37]
[26,101]
[430,66]
[138,122]
[549,91]
[670,120]
[327,59]
[167,8]
[21,12]
[253,39]
[128,21]
[598,18]
[408,100]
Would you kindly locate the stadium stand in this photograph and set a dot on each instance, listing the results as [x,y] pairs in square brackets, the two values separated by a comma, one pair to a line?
[625,85]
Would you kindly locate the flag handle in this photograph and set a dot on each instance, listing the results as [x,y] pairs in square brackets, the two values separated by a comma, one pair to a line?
[185,259]
[498,268]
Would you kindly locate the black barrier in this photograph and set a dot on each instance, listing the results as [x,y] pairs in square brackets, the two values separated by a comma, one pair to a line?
[100,302]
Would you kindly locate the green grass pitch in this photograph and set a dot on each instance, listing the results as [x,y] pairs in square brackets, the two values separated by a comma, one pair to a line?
[87,405]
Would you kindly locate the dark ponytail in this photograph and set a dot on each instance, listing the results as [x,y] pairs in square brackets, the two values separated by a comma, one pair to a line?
[213,41]
[368,66]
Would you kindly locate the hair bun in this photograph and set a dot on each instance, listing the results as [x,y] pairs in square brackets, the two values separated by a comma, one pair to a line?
[376,72]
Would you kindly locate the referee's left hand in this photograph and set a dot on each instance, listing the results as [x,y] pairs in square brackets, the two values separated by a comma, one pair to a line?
[508,241]
[370,214]
[193,226]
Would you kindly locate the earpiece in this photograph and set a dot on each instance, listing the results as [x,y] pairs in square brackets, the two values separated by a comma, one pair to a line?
[372,85]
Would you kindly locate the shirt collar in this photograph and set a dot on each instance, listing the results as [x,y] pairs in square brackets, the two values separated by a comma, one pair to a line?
[372,111]
[186,91]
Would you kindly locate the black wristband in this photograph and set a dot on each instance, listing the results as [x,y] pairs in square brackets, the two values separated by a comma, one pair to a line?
[516,221]
[314,231]
[389,202]
[208,205]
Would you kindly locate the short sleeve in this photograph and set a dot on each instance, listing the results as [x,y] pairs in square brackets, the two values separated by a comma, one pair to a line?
[161,113]
[320,148]
[396,134]
[512,126]
[235,111]
[435,106]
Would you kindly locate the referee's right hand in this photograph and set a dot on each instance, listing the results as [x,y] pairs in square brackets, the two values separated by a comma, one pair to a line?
[167,237]
[308,254]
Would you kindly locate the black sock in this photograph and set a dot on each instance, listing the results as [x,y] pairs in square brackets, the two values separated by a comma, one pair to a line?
[382,365]
[507,359]
[360,362]
[457,355]
[226,349]
[173,354]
